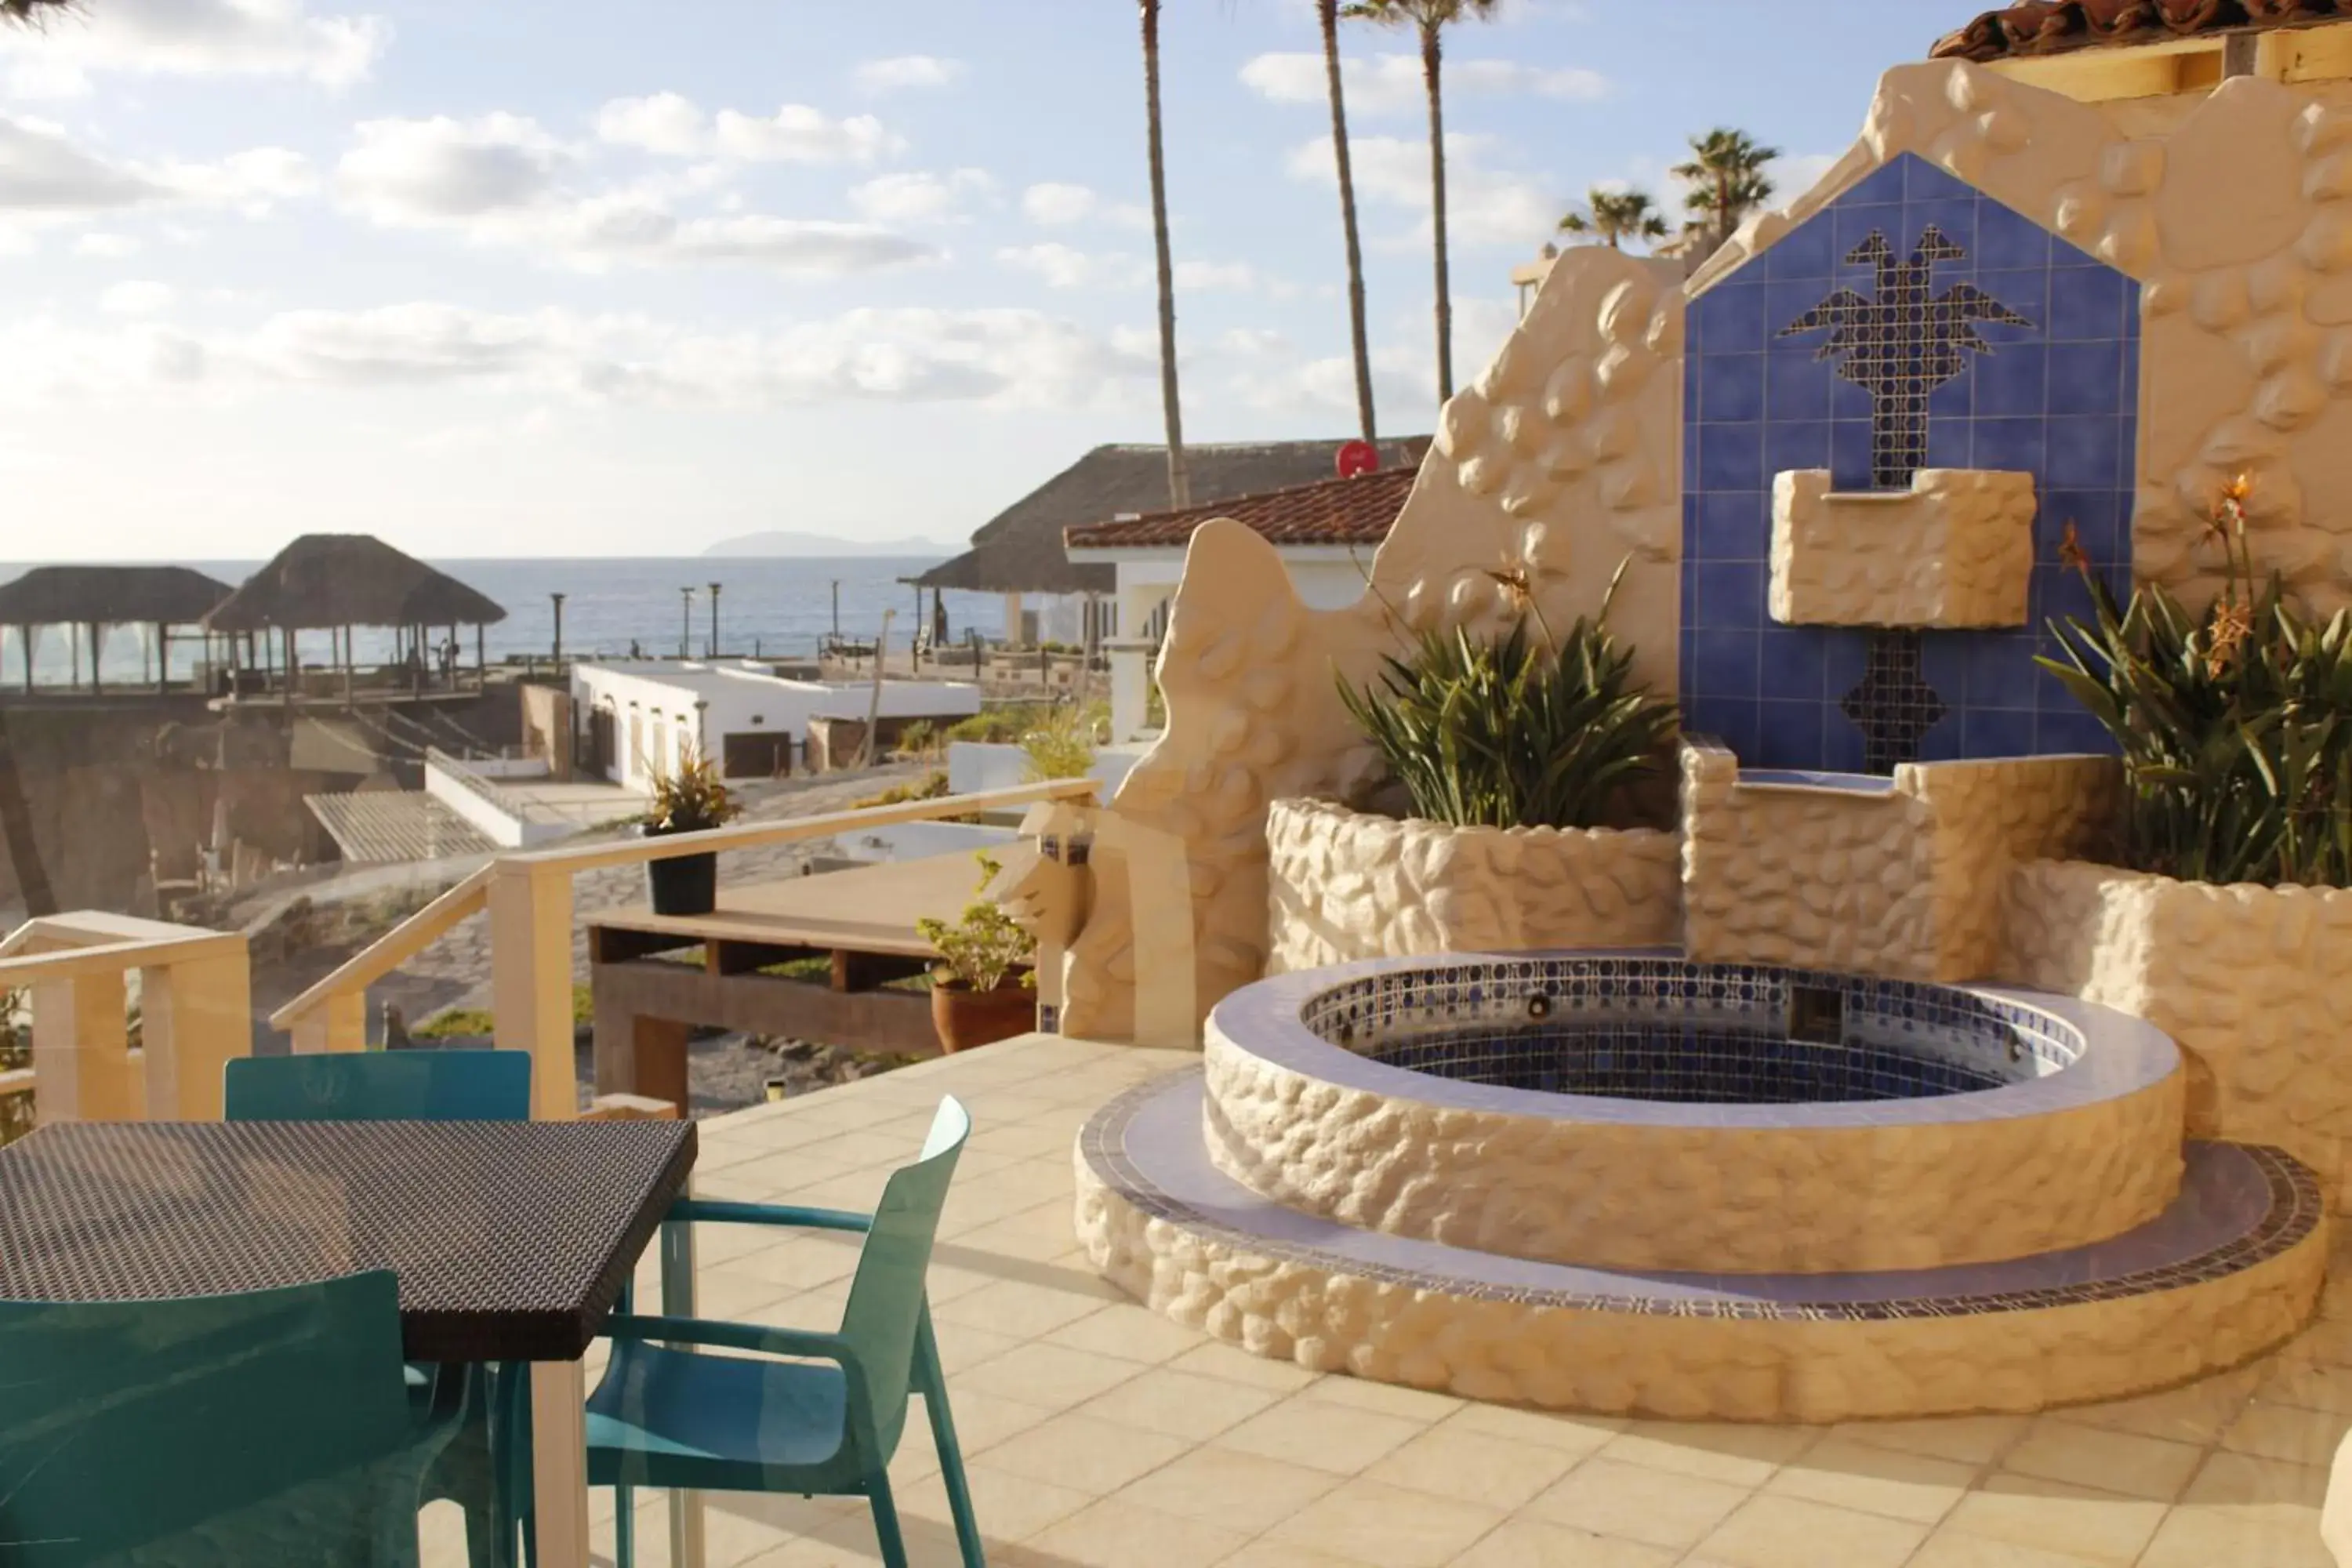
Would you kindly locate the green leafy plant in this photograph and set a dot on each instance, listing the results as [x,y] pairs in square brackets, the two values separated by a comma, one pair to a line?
[2235,724]
[920,739]
[983,946]
[1062,746]
[690,798]
[1514,730]
[1000,724]
[16,1053]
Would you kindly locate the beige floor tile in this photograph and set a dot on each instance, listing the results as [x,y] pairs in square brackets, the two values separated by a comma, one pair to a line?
[2111,1461]
[2228,1478]
[1533,1543]
[1637,1504]
[983,1420]
[1008,1506]
[2198,1537]
[803,1262]
[1335,1438]
[1388,1398]
[1737,1455]
[1179,1404]
[739,1526]
[2198,1413]
[1968,1439]
[1019,1307]
[728,1294]
[2327,1341]
[1268,1553]
[1888,1481]
[963,1347]
[1128,1332]
[1389,1527]
[1215,1358]
[1246,1492]
[1469,1466]
[1116,1534]
[1951,1549]
[2309,1386]
[2285,1432]
[1577,1435]
[2056,1517]
[1081,1452]
[1791,1532]
[1052,1375]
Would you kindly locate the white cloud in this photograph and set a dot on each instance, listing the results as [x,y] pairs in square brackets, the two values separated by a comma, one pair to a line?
[1794,174]
[1066,266]
[995,358]
[1391,83]
[137,297]
[675,126]
[194,38]
[903,71]
[1237,276]
[918,198]
[1484,205]
[107,246]
[502,180]
[1055,203]
[47,177]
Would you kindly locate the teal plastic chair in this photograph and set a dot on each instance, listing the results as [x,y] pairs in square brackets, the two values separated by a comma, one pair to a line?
[825,1423]
[410,1086]
[380,1085]
[263,1429]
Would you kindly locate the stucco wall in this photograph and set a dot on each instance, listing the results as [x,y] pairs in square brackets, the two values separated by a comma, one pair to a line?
[1344,884]
[2255,982]
[1954,550]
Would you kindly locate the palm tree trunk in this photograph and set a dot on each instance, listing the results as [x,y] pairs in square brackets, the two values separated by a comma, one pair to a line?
[1722,208]
[1430,73]
[16,833]
[1328,13]
[1180,487]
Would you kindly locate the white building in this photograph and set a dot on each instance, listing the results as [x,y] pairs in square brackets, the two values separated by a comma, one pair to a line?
[645,716]
[1326,534]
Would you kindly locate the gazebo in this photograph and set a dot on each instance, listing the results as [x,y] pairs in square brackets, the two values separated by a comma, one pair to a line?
[87,600]
[336,582]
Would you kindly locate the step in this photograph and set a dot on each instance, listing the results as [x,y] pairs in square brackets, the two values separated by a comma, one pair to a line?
[2232,1266]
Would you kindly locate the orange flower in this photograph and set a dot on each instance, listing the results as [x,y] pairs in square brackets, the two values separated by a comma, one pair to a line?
[2071,552]
[2240,487]
[2232,623]
[1518,585]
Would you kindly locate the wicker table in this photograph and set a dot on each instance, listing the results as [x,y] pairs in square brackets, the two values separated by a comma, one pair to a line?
[511,1240]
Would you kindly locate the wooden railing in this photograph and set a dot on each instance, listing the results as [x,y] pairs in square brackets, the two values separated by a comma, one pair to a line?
[529,895]
[196,1013]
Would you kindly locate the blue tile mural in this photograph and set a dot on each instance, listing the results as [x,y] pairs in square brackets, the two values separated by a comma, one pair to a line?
[1914,323]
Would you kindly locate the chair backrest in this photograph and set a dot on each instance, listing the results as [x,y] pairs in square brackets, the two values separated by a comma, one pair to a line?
[886,1297]
[219,1428]
[380,1085]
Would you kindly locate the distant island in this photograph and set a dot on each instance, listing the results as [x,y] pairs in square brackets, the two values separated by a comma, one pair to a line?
[779,541]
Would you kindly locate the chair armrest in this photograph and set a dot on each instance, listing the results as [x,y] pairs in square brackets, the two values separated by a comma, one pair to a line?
[711,1211]
[733,1336]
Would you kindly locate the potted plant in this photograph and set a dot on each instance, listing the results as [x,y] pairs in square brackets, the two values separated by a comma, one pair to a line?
[1518,760]
[983,989]
[692,799]
[2220,909]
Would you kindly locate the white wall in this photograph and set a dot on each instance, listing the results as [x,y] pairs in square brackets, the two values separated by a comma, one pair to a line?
[470,790]
[683,706]
[975,765]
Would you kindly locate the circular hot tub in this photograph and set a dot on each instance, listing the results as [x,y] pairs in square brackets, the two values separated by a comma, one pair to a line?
[1636,1111]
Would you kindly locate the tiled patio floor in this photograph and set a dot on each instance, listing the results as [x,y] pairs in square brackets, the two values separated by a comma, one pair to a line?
[1099,1433]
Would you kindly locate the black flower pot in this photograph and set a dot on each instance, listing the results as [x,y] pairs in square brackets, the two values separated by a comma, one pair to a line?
[682,884]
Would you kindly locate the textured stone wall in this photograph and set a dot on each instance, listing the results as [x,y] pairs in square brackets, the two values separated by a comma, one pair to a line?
[1344,884]
[1956,550]
[1691,1368]
[2255,982]
[1905,882]
[1792,1200]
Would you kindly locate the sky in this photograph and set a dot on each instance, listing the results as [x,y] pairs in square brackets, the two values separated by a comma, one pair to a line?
[525,278]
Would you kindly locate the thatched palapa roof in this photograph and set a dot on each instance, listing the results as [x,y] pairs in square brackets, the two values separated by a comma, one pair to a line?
[110,596]
[325,580]
[1019,551]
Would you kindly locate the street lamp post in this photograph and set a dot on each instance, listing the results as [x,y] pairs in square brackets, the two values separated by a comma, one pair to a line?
[557,600]
[714,619]
[685,622]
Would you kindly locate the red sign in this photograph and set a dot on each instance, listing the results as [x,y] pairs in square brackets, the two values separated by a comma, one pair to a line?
[1358,457]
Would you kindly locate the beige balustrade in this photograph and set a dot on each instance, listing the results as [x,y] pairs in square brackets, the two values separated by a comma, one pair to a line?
[196,1013]
[528,897]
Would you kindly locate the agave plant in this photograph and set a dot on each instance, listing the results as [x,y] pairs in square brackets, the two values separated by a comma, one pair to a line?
[1514,730]
[2235,724]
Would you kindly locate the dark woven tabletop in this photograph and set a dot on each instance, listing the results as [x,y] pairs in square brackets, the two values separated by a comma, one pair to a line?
[511,1239]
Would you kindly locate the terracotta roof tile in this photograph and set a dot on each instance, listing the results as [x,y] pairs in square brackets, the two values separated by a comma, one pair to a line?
[1334,511]
[2053,27]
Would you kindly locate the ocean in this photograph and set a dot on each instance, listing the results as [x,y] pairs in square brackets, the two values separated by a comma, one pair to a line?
[776,606]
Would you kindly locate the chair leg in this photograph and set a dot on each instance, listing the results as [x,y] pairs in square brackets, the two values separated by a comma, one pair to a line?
[933,1384]
[625,1527]
[886,1518]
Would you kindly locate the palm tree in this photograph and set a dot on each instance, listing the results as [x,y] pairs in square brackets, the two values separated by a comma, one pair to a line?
[1727,177]
[1180,486]
[34,11]
[1430,18]
[1327,12]
[1614,216]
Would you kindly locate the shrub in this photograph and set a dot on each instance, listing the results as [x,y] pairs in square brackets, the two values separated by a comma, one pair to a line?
[16,1052]
[983,945]
[1062,746]
[690,798]
[1511,730]
[932,785]
[2235,723]
[920,739]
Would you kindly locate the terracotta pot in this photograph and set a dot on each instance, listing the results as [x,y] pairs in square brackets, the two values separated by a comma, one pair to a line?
[965,1018]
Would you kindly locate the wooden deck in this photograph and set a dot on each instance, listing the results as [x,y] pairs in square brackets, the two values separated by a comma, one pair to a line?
[871,909]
